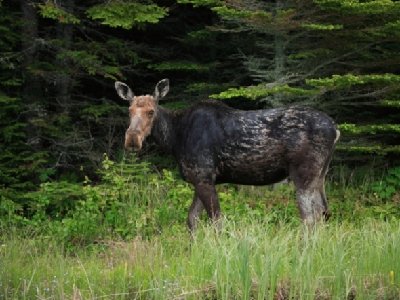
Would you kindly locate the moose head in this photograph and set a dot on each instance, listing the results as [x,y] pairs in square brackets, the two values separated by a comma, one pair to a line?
[142,112]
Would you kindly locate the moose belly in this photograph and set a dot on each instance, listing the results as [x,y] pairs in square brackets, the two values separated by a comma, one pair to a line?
[251,169]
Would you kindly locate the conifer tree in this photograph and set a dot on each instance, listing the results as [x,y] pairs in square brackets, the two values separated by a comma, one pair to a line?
[338,55]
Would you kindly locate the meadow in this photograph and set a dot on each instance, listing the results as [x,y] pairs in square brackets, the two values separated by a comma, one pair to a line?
[125,237]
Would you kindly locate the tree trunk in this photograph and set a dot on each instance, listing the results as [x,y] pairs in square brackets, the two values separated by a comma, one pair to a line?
[279,56]
[63,80]
[32,86]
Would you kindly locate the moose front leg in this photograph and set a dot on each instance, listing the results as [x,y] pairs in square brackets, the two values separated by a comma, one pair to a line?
[208,196]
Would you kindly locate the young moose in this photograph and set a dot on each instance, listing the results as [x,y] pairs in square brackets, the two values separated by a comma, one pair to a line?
[214,143]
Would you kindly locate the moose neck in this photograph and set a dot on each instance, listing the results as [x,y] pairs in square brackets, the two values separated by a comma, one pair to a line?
[164,129]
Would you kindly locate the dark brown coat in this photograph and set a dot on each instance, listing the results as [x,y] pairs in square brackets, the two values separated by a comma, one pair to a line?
[214,143]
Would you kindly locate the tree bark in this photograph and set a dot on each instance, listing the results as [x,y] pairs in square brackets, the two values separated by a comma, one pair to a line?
[32,85]
[64,80]
[279,56]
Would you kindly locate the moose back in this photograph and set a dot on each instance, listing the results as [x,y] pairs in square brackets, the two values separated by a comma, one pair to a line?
[214,143]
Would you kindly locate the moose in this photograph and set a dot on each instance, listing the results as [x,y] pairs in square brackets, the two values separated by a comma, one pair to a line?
[214,143]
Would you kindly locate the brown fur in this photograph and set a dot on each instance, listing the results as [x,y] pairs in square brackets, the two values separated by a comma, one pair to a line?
[142,113]
[214,144]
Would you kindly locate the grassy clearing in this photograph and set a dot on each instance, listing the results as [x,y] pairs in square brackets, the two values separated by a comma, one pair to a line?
[244,260]
[126,238]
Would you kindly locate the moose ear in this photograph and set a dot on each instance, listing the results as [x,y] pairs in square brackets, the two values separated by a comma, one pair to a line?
[124,91]
[162,89]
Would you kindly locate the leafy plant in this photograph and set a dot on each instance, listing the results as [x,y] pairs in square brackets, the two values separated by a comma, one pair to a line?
[389,185]
[53,200]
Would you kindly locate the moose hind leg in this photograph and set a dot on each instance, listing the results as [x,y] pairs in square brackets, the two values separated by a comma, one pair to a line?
[208,195]
[194,213]
[311,205]
[326,213]
[310,194]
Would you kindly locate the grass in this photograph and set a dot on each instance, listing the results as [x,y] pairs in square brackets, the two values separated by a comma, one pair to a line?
[126,238]
[244,260]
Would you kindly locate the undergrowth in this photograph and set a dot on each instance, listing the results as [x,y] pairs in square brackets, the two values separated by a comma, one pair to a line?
[125,237]
[243,260]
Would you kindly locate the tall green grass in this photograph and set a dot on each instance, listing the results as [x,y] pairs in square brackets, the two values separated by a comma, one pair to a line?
[125,237]
[243,260]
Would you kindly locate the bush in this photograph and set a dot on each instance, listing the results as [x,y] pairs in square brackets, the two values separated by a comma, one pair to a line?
[386,188]
[131,200]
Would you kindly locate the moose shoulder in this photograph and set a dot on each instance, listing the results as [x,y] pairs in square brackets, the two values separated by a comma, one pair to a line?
[214,143]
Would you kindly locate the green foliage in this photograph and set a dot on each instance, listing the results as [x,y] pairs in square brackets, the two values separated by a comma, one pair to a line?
[369,129]
[107,205]
[344,61]
[103,110]
[200,36]
[126,14]
[392,28]
[60,112]
[203,87]
[199,3]
[176,105]
[133,220]
[370,7]
[389,185]
[90,63]
[256,92]
[50,200]
[10,105]
[231,13]
[11,212]
[255,16]
[18,162]
[52,11]
[351,130]
[391,103]
[131,200]
[243,260]
[180,66]
[314,26]
[349,80]
[370,149]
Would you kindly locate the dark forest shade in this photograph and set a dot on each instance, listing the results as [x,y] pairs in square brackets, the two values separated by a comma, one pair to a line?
[59,59]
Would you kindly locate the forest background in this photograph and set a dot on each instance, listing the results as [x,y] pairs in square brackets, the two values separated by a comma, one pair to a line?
[59,60]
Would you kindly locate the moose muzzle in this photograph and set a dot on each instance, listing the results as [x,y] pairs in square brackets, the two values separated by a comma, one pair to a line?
[134,134]
[133,140]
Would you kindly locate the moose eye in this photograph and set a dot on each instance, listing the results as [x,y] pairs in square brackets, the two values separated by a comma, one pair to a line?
[150,113]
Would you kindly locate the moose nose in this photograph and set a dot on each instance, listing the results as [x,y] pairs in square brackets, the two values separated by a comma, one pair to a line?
[132,131]
[133,140]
